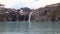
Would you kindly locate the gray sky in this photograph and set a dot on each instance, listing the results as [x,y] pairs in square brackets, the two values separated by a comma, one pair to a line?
[27,3]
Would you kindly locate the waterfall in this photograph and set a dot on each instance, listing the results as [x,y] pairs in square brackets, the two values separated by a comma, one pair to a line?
[30,16]
[29,21]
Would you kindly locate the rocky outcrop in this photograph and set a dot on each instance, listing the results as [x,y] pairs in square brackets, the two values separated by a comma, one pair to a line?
[47,13]
[24,13]
[8,14]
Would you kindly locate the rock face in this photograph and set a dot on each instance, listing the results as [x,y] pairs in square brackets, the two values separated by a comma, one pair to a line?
[24,13]
[47,13]
[8,14]
[1,6]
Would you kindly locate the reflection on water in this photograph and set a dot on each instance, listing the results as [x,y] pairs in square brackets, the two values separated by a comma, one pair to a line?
[25,28]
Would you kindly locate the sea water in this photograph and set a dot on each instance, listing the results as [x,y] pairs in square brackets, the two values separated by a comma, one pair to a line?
[25,27]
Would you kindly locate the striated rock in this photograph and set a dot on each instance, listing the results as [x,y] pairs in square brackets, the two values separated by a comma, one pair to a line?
[7,14]
[47,13]
[23,13]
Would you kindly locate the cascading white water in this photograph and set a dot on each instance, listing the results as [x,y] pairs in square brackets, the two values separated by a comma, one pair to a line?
[29,21]
[30,16]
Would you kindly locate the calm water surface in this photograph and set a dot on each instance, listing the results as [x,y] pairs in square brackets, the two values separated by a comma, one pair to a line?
[29,27]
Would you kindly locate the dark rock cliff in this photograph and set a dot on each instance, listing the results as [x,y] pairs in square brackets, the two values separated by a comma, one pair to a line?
[47,13]
[8,14]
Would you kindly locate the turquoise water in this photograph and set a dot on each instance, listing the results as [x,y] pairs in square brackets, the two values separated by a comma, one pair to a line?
[29,27]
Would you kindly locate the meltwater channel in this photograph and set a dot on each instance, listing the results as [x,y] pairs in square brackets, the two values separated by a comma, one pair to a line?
[25,27]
